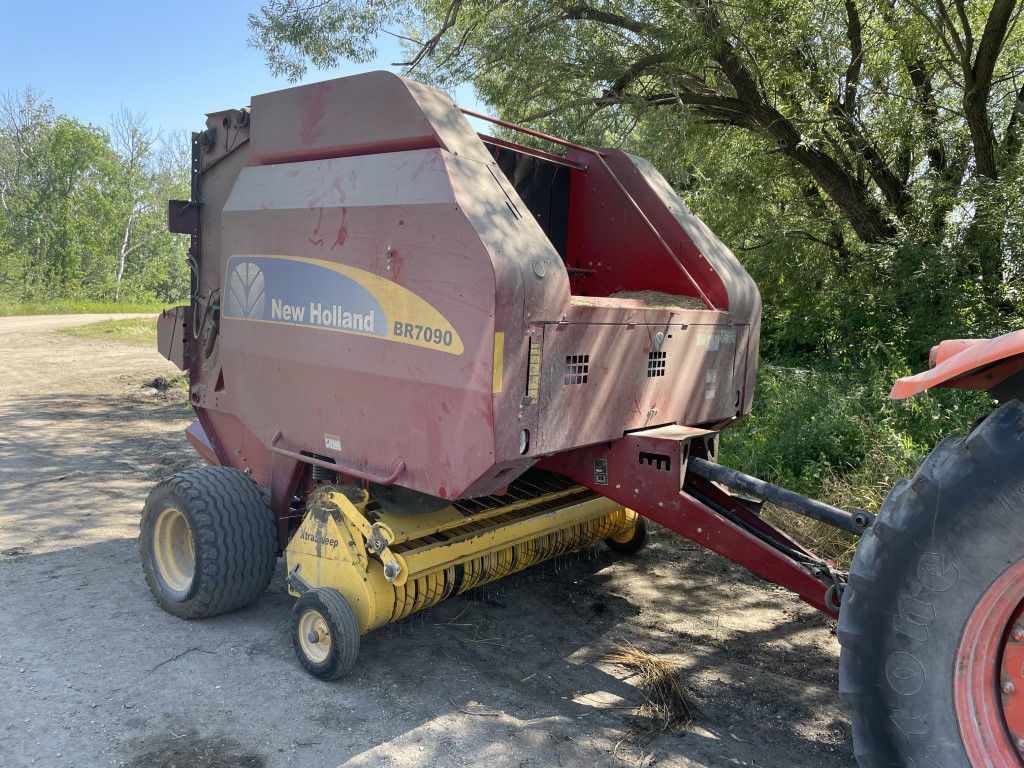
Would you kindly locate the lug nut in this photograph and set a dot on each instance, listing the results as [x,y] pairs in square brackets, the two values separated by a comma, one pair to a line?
[1008,687]
[1017,634]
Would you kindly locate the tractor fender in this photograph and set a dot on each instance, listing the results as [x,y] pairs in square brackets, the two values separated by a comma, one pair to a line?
[981,364]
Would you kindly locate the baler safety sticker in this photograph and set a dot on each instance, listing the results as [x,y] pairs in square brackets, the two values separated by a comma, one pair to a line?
[290,290]
[713,340]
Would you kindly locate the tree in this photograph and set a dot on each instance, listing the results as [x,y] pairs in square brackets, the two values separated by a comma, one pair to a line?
[151,169]
[134,144]
[82,211]
[55,211]
[864,156]
[24,148]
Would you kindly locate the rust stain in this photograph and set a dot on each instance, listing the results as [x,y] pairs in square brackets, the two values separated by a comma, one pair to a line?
[315,240]
[342,230]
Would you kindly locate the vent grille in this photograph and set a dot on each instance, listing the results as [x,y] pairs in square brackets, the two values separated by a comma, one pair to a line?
[577,368]
[656,364]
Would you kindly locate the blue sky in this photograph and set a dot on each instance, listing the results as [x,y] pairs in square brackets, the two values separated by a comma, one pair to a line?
[174,62]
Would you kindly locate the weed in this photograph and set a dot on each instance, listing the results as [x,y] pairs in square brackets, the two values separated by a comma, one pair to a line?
[666,701]
[833,434]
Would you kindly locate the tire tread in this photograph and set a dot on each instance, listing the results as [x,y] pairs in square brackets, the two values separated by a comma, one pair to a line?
[882,559]
[235,537]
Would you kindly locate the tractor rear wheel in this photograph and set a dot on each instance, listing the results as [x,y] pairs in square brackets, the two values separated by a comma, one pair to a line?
[208,542]
[932,662]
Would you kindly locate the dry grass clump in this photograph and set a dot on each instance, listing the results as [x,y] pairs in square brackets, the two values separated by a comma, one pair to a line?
[661,300]
[864,488]
[820,538]
[666,701]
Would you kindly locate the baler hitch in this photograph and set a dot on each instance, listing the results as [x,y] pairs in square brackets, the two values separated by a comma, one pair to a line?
[855,522]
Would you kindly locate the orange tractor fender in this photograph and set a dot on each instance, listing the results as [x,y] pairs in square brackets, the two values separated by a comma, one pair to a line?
[981,364]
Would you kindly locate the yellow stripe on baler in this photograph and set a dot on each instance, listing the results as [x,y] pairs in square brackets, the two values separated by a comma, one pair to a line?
[499,362]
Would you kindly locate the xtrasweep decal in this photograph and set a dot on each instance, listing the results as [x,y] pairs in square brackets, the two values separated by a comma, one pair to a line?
[320,294]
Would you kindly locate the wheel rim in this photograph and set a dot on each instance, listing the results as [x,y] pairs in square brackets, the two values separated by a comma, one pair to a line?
[989,675]
[314,636]
[173,553]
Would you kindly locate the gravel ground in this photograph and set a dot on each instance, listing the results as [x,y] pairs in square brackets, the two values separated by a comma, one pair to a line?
[93,673]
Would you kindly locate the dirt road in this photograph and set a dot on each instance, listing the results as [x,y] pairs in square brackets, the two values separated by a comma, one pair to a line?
[93,673]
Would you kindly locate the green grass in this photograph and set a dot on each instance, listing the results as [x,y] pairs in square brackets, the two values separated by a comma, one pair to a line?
[133,331]
[74,307]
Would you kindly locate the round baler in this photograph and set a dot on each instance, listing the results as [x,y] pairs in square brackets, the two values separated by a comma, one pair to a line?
[413,337]
[423,358]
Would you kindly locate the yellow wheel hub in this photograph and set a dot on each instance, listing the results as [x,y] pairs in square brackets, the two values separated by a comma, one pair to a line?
[314,637]
[174,556]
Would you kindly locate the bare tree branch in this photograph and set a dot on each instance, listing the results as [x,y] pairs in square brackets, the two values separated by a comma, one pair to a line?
[853,36]
[451,17]
[632,73]
[586,12]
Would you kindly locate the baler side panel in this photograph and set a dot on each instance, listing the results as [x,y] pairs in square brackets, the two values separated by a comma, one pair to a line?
[603,377]
[614,365]
[617,250]
[213,187]
[393,222]
[531,281]
[707,259]
[727,389]
[527,267]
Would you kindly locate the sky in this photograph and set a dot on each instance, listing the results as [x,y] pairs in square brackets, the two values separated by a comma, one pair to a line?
[173,62]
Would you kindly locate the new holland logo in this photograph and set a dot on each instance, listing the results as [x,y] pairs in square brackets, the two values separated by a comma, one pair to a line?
[307,293]
[247,294]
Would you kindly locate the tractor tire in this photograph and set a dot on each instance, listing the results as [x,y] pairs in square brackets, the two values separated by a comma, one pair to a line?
[208,542]
[325,633]
[632,541]
[930,666]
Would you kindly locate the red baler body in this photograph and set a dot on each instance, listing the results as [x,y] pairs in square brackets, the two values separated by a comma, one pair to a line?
[373,291]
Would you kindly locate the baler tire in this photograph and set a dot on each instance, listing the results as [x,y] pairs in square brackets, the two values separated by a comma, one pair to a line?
[208,542]
[327,612]
[934,589]
[636,542]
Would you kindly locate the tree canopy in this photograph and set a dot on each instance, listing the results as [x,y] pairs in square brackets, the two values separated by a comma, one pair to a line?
[83,209]
[862,157]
